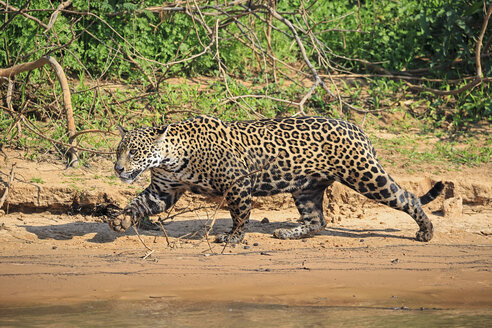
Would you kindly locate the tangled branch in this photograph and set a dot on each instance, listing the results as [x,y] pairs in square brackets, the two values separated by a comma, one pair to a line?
[215,25]
[62,79]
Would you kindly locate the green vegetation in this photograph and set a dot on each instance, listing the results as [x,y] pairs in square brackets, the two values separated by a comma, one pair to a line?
[402,35]
[131,65]
[472,154]
[37,180]
[412,150]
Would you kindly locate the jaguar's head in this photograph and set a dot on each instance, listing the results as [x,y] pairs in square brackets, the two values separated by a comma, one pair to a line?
[138,151]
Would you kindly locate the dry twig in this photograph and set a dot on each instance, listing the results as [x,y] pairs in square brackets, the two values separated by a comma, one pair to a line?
[39,134]
[8,186]
[149,250]
[54,15]
[8,6]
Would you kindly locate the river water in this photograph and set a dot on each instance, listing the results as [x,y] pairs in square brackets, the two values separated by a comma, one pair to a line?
[165,313]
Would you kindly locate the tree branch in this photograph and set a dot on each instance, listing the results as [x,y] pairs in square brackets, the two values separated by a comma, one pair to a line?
[54,15]
[62,79]
[480,40]
[3,3]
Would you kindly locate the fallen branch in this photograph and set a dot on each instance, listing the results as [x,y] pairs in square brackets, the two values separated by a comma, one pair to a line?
[476,81]
[394,76]
[164,232]
[89,131]
[17,69]
[150,250]
[177,8]
[67,102]
[316,78]
[11,111]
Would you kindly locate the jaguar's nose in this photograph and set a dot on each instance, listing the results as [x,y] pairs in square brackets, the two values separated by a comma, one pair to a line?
[118,168]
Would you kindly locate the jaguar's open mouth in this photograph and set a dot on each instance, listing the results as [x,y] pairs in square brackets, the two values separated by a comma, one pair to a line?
[128,177]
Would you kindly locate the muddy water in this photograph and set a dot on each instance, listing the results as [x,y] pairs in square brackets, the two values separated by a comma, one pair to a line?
[161,313]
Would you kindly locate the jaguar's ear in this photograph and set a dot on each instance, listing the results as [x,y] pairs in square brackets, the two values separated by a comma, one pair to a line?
[122,131]
[161,138]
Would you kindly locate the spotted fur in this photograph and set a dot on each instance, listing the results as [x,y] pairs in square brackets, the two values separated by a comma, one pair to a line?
[238,160]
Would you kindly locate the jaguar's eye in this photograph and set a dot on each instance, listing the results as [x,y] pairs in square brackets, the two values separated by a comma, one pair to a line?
[132,152]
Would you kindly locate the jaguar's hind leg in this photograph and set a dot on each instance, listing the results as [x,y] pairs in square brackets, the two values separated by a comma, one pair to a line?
[409,203]
[382,188]
[309,202]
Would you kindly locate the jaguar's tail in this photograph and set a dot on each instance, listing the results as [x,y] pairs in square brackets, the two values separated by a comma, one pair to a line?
[432,194]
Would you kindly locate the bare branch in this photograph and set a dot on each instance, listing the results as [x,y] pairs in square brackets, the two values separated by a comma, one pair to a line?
[480,40]
[62,79]
[479,79]
[7,21]
[178,8]
[229,99]
[54,15]
[438,92]
[6,5]
[17,69]
[39,134]
[275,14]
[8,186]
[67,102]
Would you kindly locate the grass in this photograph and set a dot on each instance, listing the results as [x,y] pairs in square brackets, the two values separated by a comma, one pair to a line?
[411,134]
[414,151]
[111,180]
[403,112]
[473,154]
[37,180]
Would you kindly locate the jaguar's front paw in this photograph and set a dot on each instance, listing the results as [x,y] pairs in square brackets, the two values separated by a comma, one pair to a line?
[120,223]
[230,237]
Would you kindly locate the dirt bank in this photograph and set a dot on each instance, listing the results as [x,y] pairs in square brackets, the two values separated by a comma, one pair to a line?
[55,248]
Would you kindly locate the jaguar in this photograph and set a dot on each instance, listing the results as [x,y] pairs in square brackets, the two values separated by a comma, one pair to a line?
[242,159]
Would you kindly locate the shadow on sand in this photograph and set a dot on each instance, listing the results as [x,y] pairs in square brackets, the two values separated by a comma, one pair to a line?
[190,229]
